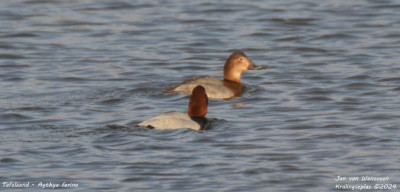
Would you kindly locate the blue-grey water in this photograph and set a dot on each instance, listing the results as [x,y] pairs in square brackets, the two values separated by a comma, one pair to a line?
[76,76]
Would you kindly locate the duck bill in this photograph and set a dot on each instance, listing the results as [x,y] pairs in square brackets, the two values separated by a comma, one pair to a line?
[254,67]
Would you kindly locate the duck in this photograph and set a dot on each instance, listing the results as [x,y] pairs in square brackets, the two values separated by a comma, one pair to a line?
[228,88]
[194,118]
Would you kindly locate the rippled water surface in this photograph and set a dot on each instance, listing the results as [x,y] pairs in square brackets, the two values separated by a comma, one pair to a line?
[76,76]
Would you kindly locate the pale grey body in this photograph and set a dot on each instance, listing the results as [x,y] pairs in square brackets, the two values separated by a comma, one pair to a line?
[171,120]
[215,88]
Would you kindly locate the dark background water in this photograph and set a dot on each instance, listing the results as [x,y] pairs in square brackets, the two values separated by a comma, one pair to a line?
[76,76]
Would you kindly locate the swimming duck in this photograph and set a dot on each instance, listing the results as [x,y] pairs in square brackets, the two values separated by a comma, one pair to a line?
[227,88]
[193,119]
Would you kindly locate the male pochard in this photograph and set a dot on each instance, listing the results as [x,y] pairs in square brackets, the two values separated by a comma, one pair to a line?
[227,88]
[193,119]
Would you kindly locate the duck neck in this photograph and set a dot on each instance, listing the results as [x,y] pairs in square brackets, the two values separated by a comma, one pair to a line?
[232,76]
[231,73]
[198,106]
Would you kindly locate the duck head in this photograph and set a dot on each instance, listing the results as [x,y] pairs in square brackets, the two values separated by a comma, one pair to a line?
[198,102]
[236,64]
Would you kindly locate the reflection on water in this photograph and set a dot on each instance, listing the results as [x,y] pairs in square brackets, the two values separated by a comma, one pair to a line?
[75,77]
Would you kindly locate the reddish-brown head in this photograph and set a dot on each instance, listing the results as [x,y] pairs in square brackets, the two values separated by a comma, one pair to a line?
[236,64]
[198,102]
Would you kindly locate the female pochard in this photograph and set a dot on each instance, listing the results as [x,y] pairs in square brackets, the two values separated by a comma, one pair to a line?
[227,88]
[193,119]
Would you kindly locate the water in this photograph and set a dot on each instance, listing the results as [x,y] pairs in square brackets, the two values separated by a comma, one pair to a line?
[76,76]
